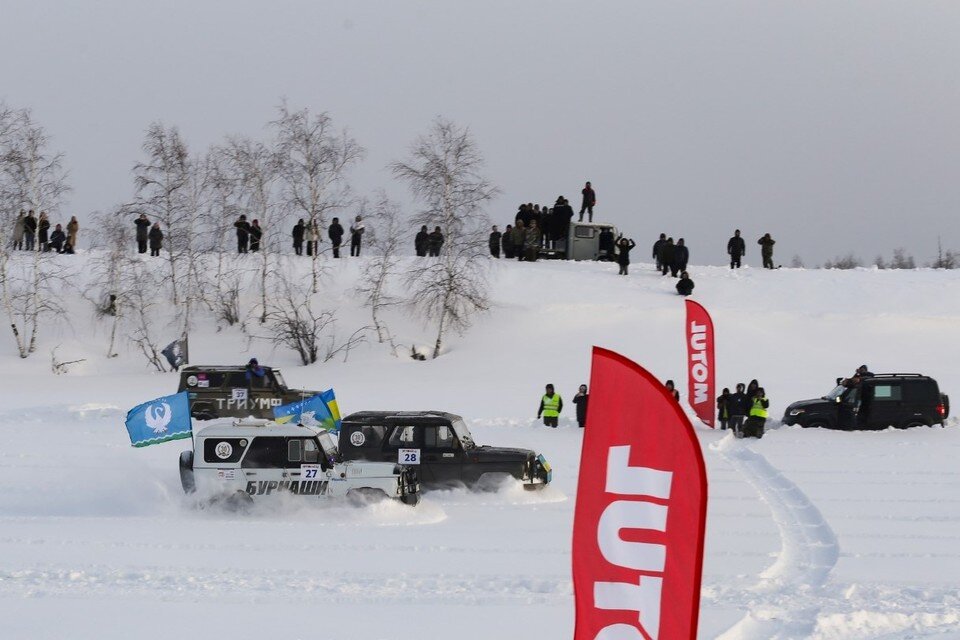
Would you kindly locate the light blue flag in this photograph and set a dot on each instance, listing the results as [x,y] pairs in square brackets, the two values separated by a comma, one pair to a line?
[160,420]
[330,399]
[312,411]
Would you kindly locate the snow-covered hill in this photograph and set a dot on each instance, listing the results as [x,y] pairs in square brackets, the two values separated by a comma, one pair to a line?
[811,533]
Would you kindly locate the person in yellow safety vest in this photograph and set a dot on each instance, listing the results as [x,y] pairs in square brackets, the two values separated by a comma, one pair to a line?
[758,414]
[551,404]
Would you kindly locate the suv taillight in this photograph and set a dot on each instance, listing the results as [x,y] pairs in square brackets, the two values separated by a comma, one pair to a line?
[942,410]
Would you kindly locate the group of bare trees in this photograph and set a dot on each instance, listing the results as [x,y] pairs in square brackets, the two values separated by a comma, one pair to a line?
[297,170]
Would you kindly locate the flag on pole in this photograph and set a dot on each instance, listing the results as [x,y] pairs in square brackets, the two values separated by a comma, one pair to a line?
[330,399]
[312,411]
[160,420]
[176,352]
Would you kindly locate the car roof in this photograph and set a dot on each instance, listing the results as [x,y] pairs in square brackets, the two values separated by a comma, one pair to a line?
[220,367]
[903,376]
[252,428]
[371,416]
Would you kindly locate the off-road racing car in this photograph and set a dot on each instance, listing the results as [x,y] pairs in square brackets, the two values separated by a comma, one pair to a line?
[225,391]
[885,400]
[249,458]
[441,444]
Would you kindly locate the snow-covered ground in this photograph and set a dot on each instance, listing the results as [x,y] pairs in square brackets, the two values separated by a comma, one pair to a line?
[811,534]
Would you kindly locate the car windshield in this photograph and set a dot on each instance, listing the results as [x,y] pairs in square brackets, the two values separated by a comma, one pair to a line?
[836,393]
[460,428]
[279,379]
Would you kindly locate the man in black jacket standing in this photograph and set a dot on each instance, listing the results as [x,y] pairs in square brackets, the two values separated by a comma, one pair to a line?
[589,201]
[738,406]
[143,228]
[356,234]
[299,230]
[243,234]
[657,246]
[736,247]
[495,242]
[680,257]
[581,400]
[422,242]
[335,233]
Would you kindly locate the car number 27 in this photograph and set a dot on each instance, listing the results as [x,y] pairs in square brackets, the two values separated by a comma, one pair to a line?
[408,456]
[309,471]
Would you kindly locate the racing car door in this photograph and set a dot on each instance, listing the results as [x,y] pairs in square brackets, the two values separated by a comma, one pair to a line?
[442,456]
[264,464]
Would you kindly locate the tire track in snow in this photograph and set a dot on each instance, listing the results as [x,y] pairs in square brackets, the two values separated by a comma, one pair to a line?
[809,551]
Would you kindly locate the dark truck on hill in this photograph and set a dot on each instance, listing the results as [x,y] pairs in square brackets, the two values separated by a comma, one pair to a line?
[441,444]
[899,400]
[225,392]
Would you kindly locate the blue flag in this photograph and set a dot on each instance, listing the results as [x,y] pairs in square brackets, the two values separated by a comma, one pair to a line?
[160,420]
[312,411]
[330,399]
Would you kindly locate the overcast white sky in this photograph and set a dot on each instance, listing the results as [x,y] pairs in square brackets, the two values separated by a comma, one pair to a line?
[832,125]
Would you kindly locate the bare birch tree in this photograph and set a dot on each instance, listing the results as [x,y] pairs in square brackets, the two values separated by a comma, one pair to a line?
[379,272]
[313,161]
[443,171]
[109,265]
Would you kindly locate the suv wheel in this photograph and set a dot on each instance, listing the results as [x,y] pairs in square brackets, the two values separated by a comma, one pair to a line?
[915,423]
[816,424]
[186,472]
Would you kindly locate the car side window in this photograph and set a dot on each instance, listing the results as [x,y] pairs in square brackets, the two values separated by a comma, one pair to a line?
[295,450]
[311,451]
[439,437]
[887,392]
[584,232]
[265,452]
[404,436]
[366,436]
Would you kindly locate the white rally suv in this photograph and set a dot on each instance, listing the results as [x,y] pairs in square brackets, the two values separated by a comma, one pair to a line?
[248,458]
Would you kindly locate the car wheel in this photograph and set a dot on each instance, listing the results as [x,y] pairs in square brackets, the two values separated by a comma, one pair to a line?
[915,423]
[412,499]
[238,501]
[366,496]
[187,480]
[816,424]
[492,482]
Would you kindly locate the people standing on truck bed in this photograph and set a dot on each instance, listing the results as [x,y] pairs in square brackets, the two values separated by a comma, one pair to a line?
[736,249]
[766,250]
[581,400]
[547,228]
[562,217]
[624,246]
[589,201]
[243,233]
[551,404]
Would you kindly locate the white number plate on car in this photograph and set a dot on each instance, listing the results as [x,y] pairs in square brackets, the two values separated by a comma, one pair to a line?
[409,456]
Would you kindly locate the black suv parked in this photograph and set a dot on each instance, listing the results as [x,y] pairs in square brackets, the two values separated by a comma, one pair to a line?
[441,444]
[225,392]
[885,400]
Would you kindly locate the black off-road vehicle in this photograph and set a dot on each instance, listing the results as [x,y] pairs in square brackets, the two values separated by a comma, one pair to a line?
[442,446]
[227,392]
[885,400]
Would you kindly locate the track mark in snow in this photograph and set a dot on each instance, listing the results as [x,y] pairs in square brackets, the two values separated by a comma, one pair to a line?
[808,553]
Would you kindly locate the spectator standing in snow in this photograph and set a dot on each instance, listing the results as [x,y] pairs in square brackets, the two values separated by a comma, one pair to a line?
[581,401]
[143,229]
[518,235]
[17,243]
[256,232]
[624,246]
[421,243]
[723,409]
[684,284]
[506,242]
[666,256]
[766,250]
[562,217]
[299,230]
[758,414]
[657,246]
[335,233]
[551,404]
[738,406]
[243,234]
[436,242]
[313,239]
[589,201]
[680,257]
[57,238]
[43,232]
[736,248]
[30,231]
[73,228]
[156,239]
[495,242]
[752,387]
[672,389]
[356,235]
[531,242]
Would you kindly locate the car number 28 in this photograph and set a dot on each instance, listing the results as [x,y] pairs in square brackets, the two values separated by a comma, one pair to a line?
[408,456]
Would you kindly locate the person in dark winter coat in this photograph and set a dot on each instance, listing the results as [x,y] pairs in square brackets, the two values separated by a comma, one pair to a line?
[18,230]
[356,236]
[562,217]
[29,231]
[752,387]
[156,239]
[581,400]
[299,230]
[657,246]
[738,406]
[680,257]
[535,215]
[506,242]
[666,255]
[335,233]
[494,240]
[547,223]
[531,242]
[723,409]
[766,250]
[57,238]
[672,388]
[736,248]
[256,232]
[589,201]
[517,235]
[243,234]
[754,424]
[525,214]
[43,232]
[684,284]
[551,404]
[606,244]
[624,246]
[143,228]
[421,243]
[436,242]
[73,228]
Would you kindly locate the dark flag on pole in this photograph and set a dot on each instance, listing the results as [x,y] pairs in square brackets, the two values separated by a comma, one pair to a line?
[176,352]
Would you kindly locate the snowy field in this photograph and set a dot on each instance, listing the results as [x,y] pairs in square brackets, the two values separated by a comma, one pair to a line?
[810,533]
